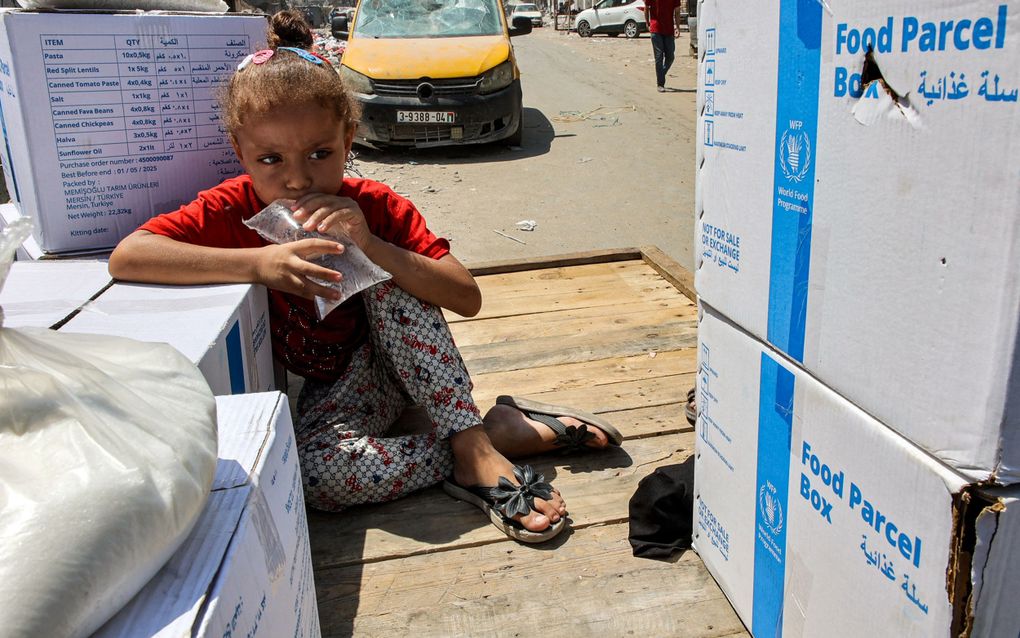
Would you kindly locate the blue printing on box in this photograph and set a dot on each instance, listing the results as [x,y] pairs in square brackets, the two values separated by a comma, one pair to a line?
[775,427]
[235,359]
[800,33]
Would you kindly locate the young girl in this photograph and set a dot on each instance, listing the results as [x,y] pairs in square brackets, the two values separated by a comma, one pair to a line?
[292,125]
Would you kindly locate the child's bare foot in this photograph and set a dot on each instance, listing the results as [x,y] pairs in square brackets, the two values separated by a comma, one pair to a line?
[515,435]
[477,463]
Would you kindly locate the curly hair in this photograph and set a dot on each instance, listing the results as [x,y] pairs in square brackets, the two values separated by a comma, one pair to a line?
[289,29]
[286,79]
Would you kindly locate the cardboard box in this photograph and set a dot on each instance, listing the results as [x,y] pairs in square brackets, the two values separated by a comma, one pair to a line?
[817,520]
[246,568]
[30,250]
[859,210]
[223,329]
[109,119]
[45,295]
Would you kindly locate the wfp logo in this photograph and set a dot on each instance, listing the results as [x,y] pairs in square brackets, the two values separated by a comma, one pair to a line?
[795,154]
[770,508]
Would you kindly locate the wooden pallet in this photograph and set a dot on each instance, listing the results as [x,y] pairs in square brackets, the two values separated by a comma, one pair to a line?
[613,332]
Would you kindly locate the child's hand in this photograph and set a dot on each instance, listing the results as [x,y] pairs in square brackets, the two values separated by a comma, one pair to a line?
[330,213]
[284,267]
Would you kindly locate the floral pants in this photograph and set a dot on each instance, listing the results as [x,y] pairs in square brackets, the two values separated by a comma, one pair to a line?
[410,359]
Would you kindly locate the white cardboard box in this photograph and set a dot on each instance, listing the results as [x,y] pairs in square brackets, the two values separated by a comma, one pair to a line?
[30,250]
[44,294]
[870,230]
[109,119]
[817,520]
[246,568]
[223,329]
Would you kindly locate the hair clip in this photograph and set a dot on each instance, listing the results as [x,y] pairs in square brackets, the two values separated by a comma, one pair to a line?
[311,57]
[259,57]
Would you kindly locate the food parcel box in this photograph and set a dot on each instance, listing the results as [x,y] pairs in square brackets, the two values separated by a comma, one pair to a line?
[857,198]
[223,329]
[109,119]
[246,568]
[44,294]
[29,250]
[817,520]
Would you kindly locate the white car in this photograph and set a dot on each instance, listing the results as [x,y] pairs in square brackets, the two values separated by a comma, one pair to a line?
[612,17]
[529,11]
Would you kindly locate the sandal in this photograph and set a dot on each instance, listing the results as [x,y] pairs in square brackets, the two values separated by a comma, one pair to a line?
[569,438]
[691,409]
[506,500]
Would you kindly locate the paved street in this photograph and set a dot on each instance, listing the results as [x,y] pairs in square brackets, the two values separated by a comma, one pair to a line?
[607,162]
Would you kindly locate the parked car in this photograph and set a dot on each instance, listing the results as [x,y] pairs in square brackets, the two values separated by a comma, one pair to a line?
[335,26]
[528,11]
[612,17]
[434,73]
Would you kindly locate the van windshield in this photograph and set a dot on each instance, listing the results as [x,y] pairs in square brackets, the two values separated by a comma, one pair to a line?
[427,18]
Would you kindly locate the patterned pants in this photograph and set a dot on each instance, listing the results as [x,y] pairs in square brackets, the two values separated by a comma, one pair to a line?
[410,359]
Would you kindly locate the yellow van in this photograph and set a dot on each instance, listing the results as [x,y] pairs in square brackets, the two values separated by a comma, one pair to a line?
[433,72]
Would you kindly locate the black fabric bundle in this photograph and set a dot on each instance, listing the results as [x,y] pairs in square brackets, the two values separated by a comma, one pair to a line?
[662,511]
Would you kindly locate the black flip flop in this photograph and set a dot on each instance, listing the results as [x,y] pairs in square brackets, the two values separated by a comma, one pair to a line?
[506,500]
[568,437]
[691,409]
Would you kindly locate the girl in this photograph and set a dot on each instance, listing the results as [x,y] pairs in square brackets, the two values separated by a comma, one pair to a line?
[292,125]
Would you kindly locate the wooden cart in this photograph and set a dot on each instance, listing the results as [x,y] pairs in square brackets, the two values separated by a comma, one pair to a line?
[614,332]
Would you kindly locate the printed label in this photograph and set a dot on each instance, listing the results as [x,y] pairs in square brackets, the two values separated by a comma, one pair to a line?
[124,108]
[914,35]
[709,430]
[886,543]
[713,529]
[711,107]
[720,247]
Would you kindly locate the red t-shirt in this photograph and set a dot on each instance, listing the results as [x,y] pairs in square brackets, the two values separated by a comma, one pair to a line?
[306,346]
[660,16]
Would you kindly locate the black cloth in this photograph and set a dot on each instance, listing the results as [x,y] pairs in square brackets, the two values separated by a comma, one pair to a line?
[662,511]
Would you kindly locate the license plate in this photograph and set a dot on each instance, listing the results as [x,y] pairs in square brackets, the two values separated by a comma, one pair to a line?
[426,117]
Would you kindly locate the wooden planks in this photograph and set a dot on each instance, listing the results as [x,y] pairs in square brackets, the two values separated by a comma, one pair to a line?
[614,333]
[588,584]
[596,487]
[568,289]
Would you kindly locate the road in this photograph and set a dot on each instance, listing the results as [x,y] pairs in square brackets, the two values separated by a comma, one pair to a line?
[607,162]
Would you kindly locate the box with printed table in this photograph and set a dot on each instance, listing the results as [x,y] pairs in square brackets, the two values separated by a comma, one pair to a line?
[817,520]
[109,119]
[30,250]
[246,567]
[857,197]
[223,329]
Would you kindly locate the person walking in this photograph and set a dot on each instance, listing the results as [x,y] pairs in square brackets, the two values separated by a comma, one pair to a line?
[692,25]
[659,16]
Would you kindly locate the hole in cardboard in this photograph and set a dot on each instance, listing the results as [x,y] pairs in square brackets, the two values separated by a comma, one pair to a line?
[871,73]
[943,261]
[876,98]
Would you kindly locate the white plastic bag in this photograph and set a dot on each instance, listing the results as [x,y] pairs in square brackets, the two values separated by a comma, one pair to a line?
[107,454]
[217,6]
[276,223]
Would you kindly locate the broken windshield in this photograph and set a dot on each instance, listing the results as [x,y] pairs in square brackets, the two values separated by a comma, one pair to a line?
[427,18]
